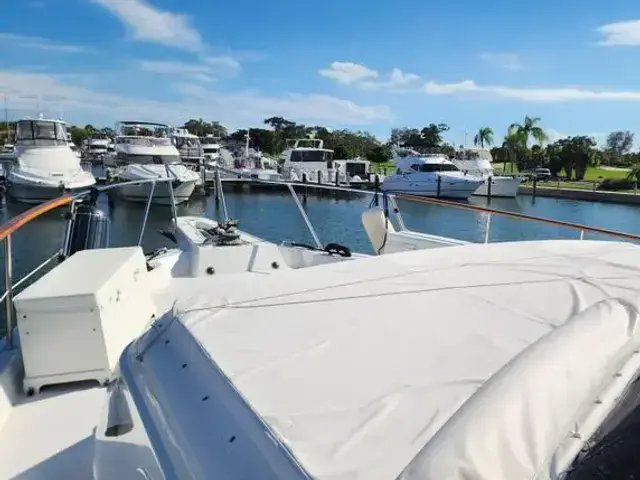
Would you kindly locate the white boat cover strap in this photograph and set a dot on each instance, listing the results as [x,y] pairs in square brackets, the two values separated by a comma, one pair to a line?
[530,420]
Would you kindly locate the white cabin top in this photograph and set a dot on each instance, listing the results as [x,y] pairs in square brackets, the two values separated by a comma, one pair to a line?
[183,132]
[474,161]
[41,132]
[415,162]
[306,150]
[148,134]
[373,369]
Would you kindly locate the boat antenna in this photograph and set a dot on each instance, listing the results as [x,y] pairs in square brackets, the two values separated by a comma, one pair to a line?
[6,118]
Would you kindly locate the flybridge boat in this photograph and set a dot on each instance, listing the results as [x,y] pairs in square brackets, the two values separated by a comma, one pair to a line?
[477,163]
[307,158]
[430,176]
[95,148]
[180,367]
[146,154]
[44,165]
[210,148]
[188,146]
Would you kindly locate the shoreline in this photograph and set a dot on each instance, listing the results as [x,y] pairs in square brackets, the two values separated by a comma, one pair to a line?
[585,195]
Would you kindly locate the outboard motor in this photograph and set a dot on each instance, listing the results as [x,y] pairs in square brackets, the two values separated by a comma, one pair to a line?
[88,229]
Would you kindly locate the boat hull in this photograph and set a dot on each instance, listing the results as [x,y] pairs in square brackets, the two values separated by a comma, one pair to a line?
[139,193]
[506,187]
[458,190]
[35,194]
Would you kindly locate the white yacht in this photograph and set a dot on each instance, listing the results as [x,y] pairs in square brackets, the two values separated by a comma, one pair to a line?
[210,148]
[431,175]
[307,157]
[95,148]
[44,164]
[7,153]
[477,163]
[188,145]
[328,372]
[146,153]
[353,170]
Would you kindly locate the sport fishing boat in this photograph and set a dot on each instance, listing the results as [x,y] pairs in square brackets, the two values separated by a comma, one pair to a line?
[431,175]
[327,372]
[44,165]
[146,155]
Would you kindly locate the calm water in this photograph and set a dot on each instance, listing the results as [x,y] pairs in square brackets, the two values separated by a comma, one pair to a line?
[274,217]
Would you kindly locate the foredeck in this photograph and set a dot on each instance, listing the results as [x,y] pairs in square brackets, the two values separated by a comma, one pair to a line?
[50,436]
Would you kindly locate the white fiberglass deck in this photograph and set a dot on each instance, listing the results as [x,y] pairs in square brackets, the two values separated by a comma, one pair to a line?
[50,436]
[356,366]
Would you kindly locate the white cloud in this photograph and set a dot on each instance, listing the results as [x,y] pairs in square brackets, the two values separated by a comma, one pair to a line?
[194,71]
[348,73]
[207,71]
[620,33]
[507,61]
[236,109]
[150,24]
[39,43]
[224,62]
[561,94]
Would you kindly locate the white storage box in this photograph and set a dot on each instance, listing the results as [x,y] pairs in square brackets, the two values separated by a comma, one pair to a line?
[75,321]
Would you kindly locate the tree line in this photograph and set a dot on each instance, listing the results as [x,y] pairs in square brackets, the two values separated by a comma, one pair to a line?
[525,145]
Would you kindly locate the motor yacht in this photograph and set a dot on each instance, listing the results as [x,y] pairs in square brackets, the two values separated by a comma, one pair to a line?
[94,148]
[146,153]
[477,163]
[246,360]
[7,154]
[307,158]
[210,149]
[432,175]
[44,165]
[188,145]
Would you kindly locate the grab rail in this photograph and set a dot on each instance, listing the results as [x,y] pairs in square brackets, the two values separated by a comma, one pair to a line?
[7,229]
[521,216]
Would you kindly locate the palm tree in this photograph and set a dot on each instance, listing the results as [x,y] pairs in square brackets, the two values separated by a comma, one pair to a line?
[528,129]
[514,144]
[483,137]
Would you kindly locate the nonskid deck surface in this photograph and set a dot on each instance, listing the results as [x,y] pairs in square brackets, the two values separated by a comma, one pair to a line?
[50,436]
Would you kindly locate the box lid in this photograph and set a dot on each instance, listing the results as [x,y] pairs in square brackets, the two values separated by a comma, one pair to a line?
[82,274]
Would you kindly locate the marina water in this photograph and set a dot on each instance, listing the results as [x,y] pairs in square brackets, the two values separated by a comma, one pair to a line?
[336,218]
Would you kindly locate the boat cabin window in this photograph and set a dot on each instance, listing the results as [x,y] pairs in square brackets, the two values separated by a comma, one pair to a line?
[97,147]
[152,159]
[311,156]
[356,169]
[434,167]
[41,132]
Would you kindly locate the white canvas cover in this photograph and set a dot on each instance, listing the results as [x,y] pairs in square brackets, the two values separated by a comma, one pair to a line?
[358,365]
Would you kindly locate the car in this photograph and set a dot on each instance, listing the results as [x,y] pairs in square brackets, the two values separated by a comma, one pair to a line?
[539,174]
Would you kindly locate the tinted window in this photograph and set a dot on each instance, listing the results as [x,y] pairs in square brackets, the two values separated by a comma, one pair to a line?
[434,167]
[311,156]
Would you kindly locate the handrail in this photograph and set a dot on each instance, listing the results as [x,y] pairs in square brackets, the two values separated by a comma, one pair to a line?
[520,216]
[25,217]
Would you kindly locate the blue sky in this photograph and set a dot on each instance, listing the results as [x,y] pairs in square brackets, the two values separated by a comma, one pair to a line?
[365,65]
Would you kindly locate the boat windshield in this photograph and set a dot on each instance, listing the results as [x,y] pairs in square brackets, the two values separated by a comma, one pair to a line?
[153,159]
[211,148]
[311,156]
[146,141]
[97,147]
[434,167]
[41,133]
